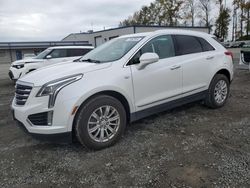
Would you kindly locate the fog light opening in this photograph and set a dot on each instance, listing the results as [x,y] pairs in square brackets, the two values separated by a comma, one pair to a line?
[50,118]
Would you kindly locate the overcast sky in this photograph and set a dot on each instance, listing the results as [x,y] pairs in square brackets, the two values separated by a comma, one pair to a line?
[39,20]
[35,20]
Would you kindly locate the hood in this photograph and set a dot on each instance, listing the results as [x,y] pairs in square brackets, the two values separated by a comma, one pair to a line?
[23,61]
[50,73]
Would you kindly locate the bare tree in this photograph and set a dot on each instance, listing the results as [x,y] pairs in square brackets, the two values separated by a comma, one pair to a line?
[205,7]
[235,22]
[189,13]
[247,10]
[240,4]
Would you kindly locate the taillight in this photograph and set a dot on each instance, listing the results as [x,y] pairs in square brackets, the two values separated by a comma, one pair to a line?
[229,54]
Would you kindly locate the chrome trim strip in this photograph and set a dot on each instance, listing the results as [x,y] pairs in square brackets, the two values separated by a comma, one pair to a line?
[171,97]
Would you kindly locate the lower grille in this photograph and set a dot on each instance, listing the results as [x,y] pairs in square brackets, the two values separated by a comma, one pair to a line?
[22,93]
[41,119]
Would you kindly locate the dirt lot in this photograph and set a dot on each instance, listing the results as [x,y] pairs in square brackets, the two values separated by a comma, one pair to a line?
[191,146]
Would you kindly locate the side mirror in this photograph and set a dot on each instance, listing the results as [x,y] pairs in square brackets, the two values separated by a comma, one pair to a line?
[146,59]
[48,57]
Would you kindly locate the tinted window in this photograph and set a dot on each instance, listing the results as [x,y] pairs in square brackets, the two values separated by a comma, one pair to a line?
[205,45]
[43,54]
[162,45]
[77,52]
[187,45]
[58,53]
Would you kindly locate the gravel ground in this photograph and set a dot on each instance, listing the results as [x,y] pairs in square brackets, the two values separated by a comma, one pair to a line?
[190,146]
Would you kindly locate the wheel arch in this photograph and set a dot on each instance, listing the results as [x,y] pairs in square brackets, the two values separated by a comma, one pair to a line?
[111,93]
[225,72]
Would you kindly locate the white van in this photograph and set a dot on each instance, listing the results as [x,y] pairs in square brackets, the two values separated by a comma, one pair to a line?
[49,56]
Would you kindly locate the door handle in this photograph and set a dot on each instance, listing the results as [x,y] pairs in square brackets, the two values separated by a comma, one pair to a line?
[175,67]
[210,57]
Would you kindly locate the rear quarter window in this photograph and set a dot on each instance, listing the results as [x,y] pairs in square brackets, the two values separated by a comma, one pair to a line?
[205,45]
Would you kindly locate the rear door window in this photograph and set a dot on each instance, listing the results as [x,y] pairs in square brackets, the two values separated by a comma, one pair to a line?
[187,45]
[58,53]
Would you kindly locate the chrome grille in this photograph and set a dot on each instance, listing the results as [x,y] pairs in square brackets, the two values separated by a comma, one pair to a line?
[22,93]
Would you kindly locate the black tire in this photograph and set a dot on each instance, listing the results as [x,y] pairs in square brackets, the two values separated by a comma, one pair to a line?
[210,100]
[84,115]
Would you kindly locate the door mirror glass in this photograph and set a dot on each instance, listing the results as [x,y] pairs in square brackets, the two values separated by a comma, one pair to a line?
[48,57]
[146,59]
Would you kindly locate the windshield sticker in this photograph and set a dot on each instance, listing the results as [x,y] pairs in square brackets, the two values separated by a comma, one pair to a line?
[134,39]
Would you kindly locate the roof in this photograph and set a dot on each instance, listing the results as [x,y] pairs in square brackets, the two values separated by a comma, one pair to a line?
[41,44]
[71,47]
[168,31]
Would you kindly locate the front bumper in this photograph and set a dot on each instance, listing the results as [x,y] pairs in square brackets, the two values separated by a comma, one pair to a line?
[15,73]
[58,138]
[62,119]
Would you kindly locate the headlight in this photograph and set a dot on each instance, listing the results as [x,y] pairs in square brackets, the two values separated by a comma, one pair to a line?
[18,66]
[52,88]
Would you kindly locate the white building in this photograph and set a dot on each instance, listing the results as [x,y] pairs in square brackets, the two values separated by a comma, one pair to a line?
[99,37]
[11,51]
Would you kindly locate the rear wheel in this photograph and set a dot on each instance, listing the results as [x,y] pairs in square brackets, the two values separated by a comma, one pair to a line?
[100,122]
[218,91]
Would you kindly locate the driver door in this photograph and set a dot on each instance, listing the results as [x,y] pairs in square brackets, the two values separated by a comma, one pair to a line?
[158,82]
[56,56]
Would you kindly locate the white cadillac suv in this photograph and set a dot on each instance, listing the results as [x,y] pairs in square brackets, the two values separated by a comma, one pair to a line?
[123,80]
[48,57]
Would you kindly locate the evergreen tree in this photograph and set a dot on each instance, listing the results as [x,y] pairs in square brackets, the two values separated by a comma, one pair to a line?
[222,23]
[247,18]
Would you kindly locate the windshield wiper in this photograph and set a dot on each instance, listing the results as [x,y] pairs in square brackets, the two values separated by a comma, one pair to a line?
[77,60]
[90,60]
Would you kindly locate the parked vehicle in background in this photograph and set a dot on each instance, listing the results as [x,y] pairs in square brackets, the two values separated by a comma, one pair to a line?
[237,44]
[121,81]
[48,57]
[246,45]
[28,56]
[245,57]
[227,44]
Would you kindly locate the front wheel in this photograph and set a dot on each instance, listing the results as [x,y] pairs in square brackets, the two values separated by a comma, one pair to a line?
[218,91]
[100,122]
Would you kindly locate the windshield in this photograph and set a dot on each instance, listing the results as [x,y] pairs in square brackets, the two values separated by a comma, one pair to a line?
[43,54]
[112,50]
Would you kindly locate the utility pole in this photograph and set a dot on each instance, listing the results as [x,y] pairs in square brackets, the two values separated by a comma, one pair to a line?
[234,29]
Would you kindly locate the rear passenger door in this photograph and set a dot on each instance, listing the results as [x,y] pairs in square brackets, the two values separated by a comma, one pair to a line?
[196,56]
